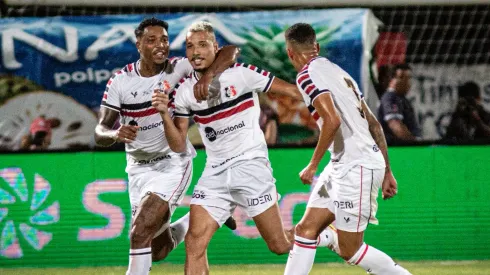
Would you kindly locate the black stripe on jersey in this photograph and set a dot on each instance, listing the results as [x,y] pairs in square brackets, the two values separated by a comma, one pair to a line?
[316,93]
[110,106]
[223,106]
[126,69]
[305,84]
[136,106]
[269,84]
[311,108]
[106,89]
[180,114]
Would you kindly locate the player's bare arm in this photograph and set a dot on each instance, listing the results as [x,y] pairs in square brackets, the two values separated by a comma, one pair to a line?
[176,129]
[389,184]
[281,87]
[400,130]
[325,107]
[105,136]
[225,57]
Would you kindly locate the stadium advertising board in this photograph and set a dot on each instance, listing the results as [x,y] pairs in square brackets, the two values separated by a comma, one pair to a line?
[72,209]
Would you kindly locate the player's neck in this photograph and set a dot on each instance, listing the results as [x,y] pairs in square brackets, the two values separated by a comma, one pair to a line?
[306,57]
[149,69]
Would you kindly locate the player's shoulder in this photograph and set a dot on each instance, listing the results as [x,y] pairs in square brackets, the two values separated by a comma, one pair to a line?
[245,68]
[126,73]
[185,82]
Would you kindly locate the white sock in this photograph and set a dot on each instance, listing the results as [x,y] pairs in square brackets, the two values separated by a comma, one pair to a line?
[329,238]
[179,229]
[139,261]
[376,262]
[302,256]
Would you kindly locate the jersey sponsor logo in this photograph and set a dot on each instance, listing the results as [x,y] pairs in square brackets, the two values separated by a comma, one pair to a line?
[134,94]
[151,126]
[344,204]
[260,200]
[230,91]
[212,134]
[141,162]
[198,195]
[226,160]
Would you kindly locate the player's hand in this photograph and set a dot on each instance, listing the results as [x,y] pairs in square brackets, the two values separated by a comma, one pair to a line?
[126,133]
[159,101]
[308,173]
[201,88]
[389,187]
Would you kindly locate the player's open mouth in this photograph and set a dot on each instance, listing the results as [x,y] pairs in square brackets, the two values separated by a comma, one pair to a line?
[160,54]
[198,61]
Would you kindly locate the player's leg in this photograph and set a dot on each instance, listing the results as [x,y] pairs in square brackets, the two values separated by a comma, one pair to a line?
[353,213]
[177,181]
[253,188]
[316,218]
[211,206]
[201,229]
[151,214]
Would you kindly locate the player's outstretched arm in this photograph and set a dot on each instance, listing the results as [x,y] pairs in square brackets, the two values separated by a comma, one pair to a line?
[325,107]
[281,87]
[226,57]
[105,136]
[389,183]
[175,130]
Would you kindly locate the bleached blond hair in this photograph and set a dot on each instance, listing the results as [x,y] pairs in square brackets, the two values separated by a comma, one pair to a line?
[202,26]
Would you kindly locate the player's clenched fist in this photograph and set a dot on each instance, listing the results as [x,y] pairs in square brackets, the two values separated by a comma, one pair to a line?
[126,133]
[160,101]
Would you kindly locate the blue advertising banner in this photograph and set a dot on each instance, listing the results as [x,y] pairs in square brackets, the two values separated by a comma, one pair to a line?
[58,66]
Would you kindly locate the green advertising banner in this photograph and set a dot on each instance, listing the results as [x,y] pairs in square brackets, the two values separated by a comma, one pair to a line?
[72,209]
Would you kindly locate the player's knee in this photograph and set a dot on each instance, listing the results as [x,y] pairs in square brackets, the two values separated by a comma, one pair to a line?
[279,247]
[194,242]
[306,231]
[142,231]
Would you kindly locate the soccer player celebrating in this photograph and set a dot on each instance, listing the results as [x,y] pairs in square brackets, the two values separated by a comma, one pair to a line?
[158,177]
[347,189]
[237,171]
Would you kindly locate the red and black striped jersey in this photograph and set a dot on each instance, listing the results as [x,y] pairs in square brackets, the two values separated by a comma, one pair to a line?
[228,121]
[129,93]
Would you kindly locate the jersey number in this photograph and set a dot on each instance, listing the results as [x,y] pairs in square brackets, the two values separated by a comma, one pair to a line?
[350,84]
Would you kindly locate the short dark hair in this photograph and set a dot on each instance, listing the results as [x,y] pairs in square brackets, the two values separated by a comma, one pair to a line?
[152,21]
[301,33]
[401,66]
[469,89]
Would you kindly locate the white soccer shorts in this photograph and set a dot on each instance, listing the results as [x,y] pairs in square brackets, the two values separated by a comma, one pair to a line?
[352,197]
[169,180]
[248,184]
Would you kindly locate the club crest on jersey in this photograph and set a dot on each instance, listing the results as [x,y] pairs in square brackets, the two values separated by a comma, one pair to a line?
[165,85]
[230,91]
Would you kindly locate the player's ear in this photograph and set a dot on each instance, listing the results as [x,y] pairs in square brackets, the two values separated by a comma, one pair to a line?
[290,53]
[317,47]
[138,44]
[216,47]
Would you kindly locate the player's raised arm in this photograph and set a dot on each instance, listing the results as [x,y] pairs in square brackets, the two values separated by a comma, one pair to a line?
[325,107]
[176,129]
[225,57]
[389,183]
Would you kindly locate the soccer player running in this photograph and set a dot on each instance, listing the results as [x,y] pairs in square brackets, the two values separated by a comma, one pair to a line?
[158,177]
[237,171]
[347,189]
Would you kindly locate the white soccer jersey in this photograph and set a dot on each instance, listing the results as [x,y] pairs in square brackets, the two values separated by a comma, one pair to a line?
[130,94]
[353,143]
[229,120]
